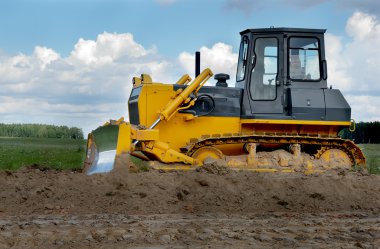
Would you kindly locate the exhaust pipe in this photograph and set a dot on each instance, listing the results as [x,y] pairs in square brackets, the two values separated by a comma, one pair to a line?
[197,63]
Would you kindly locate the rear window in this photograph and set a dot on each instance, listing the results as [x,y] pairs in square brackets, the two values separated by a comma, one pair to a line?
[304,59]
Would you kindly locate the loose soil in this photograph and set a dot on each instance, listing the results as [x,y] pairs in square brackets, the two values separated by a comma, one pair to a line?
[42,208]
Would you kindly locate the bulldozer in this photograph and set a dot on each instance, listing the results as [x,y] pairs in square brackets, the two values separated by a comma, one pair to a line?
[280,116]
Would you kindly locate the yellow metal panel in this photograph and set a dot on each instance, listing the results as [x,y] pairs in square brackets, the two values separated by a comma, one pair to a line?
[174,167]
[120,120]
[172,106]
[178,131]
[136,81]
[167,155]
[145,135]
[124,138]
[153,98]
[296,122]
[146,79]
[184,80]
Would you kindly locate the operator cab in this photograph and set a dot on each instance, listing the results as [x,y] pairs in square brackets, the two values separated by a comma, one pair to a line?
[283,72]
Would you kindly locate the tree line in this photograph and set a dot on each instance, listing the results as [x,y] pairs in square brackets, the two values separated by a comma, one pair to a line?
[40,130]
[365,133]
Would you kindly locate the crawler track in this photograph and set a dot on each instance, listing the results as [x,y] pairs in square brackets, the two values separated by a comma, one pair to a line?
[354,153]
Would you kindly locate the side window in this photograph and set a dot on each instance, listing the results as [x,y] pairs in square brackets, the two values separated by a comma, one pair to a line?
[304,59]
[264,72]
[242,64]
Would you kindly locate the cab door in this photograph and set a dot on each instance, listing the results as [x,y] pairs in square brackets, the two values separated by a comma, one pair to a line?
[265,83]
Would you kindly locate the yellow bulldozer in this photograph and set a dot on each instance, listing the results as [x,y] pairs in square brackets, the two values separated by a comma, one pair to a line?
[280,115]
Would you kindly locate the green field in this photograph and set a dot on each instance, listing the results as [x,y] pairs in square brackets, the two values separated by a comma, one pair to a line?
[372,154]
[69,153]
[46,152]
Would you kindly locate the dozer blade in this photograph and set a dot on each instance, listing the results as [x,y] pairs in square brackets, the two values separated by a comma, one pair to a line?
[101,149]
[105,144]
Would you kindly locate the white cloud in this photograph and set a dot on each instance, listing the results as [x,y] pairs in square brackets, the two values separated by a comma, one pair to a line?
[365,108]
[337,63]
[107,48]
[84,89]
[45,56]
[93,83]
[353,66]
[219,58]
[361,26]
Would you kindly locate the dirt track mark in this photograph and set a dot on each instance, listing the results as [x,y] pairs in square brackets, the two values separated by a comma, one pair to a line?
[270,230]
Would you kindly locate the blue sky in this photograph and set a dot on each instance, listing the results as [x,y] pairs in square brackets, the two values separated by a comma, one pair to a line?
[70,62]
[171,26]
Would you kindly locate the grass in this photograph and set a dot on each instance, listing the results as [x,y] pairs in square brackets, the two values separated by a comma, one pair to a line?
[69,154]
[46,152]
[372,154]
[141,165]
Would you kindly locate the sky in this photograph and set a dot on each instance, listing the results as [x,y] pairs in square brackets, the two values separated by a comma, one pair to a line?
[71,62]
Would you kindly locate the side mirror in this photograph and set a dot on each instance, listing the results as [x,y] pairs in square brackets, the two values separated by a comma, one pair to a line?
[324,69]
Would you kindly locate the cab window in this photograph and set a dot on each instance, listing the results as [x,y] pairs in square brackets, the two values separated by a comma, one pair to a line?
[242,64]
[304,59]
[265,69]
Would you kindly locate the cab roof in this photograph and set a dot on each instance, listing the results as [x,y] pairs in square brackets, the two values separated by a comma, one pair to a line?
[283,30]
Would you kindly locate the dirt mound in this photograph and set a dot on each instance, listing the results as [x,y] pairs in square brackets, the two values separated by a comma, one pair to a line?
[210,208]
[42,191]
[213,166]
